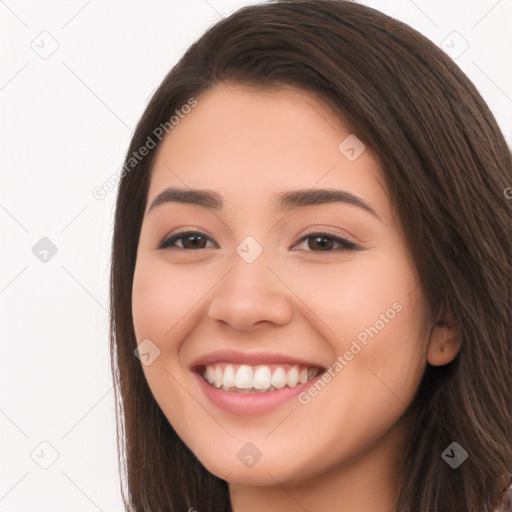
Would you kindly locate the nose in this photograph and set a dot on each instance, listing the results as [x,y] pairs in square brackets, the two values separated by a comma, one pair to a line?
[251,295]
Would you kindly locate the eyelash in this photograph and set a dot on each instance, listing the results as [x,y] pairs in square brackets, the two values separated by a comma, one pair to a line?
[346,244]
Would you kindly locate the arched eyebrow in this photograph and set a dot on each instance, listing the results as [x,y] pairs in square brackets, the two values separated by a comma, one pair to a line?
[283,201]
[290,200]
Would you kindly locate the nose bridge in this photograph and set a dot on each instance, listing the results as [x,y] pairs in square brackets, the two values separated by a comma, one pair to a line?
[250,293]
[250,250]
[250,276]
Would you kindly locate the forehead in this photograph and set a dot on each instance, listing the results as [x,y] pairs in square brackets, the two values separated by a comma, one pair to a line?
[252,142]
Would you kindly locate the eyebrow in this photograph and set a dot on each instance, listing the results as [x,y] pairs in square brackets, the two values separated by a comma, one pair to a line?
[284,201]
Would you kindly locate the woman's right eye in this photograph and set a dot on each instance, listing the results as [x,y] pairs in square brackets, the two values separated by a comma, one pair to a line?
[190,240]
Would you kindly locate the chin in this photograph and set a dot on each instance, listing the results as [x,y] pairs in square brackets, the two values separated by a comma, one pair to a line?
[228,466]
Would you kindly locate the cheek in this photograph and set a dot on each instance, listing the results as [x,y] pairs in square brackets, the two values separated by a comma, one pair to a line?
[371,313]
[159,300]
[160,309]
[344,300]
[148,298]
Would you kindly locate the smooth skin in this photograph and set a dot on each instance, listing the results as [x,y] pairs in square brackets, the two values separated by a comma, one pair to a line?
[341,451]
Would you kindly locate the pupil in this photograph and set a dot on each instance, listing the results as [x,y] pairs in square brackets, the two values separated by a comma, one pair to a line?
[193,239]
[323,245]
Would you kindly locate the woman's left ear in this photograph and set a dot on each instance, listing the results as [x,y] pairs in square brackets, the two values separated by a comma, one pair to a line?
[445,341]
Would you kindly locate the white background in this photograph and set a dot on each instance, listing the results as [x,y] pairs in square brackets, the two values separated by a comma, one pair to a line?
[66,122]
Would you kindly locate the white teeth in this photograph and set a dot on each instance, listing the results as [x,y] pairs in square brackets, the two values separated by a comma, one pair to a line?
[229,376]
[279,378]
[262,378]
[210,374]
[249,379]
[292,377]
[243,378]
[217,382]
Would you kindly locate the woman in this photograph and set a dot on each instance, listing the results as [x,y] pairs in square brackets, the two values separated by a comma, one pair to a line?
[261,367]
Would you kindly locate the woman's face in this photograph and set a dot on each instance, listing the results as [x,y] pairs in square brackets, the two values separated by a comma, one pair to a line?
[235,318]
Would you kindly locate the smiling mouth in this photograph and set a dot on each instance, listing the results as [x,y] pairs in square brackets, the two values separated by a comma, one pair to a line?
[263,378]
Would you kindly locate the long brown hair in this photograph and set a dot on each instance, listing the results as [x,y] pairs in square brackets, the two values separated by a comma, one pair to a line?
[446,166]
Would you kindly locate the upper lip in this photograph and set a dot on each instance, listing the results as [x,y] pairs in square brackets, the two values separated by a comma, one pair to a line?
[250,357]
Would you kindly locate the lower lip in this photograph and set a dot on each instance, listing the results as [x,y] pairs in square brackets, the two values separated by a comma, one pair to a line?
[251,403]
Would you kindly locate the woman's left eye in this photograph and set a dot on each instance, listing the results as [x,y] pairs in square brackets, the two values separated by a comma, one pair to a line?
[325,241]
[193,240]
